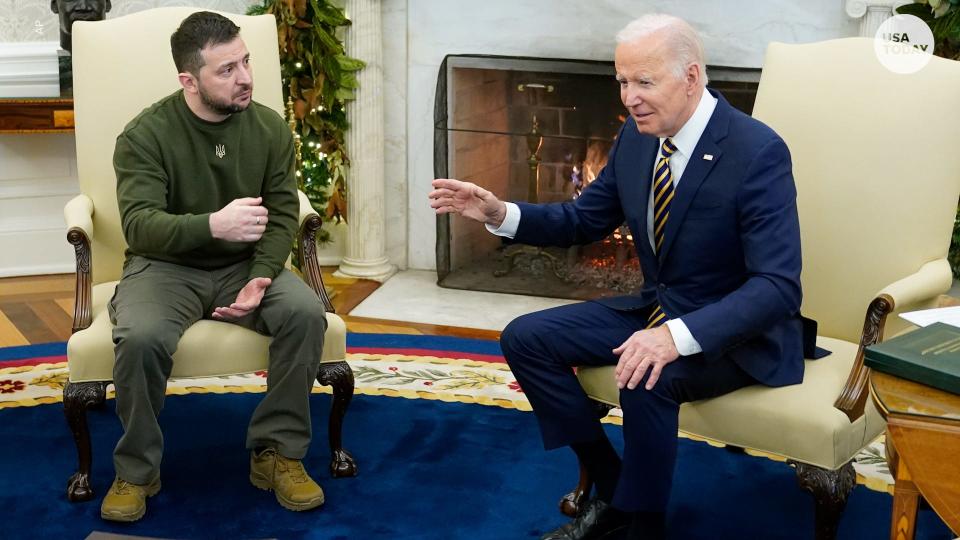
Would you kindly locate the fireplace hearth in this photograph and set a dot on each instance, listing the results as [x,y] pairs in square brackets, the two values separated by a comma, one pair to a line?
[536,130]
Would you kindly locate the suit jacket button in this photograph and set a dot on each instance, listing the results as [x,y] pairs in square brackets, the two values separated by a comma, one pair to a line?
[662,287]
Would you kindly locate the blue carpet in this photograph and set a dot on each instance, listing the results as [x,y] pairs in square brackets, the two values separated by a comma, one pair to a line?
[58,348]
[437,343]
[428,470]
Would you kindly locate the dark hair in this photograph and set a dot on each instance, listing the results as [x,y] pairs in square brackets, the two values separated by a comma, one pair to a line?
[199,30]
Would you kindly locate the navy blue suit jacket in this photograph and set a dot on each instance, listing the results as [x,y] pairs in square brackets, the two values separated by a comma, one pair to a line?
[730,263]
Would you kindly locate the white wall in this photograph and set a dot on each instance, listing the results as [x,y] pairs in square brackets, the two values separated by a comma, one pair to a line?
[735,34]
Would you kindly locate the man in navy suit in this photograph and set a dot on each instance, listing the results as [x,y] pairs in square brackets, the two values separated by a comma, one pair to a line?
[709,196]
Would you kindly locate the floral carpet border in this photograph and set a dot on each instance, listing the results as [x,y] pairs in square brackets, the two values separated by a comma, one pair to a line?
[462,380]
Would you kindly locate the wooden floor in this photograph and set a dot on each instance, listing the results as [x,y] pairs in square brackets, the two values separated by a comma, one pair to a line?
[39,309]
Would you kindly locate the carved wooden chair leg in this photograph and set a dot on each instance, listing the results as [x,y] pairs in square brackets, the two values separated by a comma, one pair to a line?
[830,491]
[77,398]
[572,502]
[340,377]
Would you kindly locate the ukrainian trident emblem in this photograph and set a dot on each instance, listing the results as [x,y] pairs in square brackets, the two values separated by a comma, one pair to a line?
[220,151]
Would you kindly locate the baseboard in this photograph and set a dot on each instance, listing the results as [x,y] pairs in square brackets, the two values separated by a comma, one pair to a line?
[37,270]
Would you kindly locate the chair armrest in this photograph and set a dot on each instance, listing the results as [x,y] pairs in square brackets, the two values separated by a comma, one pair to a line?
[931,280]
[310,224]
[78,213]
[306,209]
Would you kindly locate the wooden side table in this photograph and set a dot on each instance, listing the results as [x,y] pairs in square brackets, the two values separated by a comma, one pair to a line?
[923,445]
[36,115]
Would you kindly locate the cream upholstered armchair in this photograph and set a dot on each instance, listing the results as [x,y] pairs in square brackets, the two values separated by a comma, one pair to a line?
[120,67]
[877,202]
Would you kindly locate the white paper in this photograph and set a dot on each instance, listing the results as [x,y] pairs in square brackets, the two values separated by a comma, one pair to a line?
[924,317]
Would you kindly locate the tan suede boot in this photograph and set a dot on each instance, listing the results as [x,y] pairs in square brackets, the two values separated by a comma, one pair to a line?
[126,501]
[294,488]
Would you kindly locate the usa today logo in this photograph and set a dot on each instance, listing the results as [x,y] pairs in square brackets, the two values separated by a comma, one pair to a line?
[903,44]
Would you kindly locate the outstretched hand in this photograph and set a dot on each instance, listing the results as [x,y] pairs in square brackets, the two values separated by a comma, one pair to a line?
[467,199]
[247,300]
[644,350]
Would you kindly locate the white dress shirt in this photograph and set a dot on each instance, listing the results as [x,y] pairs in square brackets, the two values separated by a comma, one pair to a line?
[686,141]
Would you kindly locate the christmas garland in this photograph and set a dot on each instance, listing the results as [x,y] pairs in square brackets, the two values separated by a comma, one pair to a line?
[318,78]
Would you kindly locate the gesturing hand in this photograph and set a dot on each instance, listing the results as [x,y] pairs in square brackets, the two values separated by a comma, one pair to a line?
[247,300]
[467,199]
[644,350]
[242,220]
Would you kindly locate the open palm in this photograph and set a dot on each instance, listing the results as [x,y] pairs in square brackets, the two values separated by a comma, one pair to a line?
[467,199]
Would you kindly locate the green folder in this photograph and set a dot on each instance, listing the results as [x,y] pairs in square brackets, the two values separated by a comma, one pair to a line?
[928,355]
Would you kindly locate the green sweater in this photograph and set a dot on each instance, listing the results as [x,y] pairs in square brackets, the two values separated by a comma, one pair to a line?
[175,169]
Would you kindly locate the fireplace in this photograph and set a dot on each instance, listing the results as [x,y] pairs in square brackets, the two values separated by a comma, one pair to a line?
[536,130]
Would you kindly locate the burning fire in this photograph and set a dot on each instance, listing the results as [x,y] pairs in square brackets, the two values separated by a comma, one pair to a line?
[582,176]
[591,166]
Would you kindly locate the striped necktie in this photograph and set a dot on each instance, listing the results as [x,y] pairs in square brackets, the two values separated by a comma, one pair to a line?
[662,193]
[662,196]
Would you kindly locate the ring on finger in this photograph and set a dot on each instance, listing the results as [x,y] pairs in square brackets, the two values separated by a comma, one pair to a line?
[258,220]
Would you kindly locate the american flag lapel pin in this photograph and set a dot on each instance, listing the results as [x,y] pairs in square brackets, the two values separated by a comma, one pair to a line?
[708,157]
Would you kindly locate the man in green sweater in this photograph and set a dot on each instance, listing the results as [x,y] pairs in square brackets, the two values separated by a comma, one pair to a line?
[209,208]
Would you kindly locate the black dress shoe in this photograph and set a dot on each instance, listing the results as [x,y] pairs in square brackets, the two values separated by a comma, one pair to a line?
[597,521]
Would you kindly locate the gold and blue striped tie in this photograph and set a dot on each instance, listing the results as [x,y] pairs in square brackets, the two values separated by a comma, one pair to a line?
[662,193]
[662,196]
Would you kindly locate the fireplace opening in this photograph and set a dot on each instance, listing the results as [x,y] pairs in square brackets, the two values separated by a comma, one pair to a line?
[537,130]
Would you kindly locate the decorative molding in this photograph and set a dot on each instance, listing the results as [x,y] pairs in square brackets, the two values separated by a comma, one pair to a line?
[871,13]
[32,20]
[29,70]
[855,8]
[41,223]
[41,186]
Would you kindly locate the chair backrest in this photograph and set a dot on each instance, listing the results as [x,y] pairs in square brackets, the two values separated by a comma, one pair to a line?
[877,173]
[122,66]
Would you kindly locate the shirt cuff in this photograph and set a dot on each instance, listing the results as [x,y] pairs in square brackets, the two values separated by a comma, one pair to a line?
[511,222]
[682,338]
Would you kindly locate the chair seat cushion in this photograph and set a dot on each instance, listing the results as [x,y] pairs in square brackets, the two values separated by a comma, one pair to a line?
[208,348]
[798,422]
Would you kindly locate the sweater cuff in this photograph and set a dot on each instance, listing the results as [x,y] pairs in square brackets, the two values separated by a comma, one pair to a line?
[198,226]
[259,269]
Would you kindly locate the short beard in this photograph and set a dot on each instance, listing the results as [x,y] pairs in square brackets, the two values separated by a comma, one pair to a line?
[224,108]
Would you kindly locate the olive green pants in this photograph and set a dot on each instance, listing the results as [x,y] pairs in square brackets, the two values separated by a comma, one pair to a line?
[155,302]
